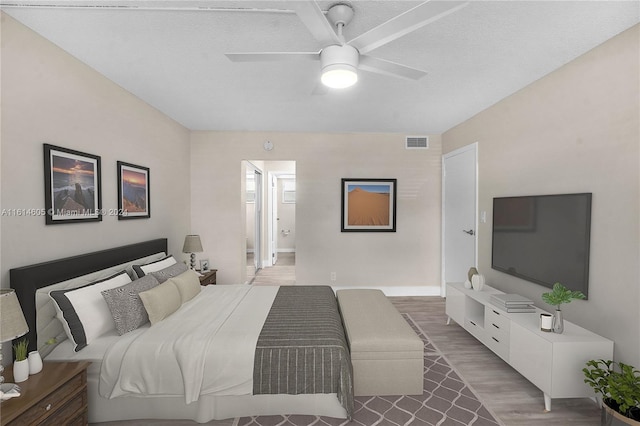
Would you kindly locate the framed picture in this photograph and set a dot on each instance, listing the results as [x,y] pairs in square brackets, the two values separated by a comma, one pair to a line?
[204,265]
[71,186]
[133,191]
[369,205]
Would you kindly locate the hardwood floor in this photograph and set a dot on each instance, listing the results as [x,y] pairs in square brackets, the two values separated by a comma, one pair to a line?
[512,398]
[282,273]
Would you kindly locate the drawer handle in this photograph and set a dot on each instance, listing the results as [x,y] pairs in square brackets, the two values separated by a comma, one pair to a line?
[496,339]
[472,323]
[495,326]
[48,407]
[495,312]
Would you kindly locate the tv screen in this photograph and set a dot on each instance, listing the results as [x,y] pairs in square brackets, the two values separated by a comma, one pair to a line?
[543,239]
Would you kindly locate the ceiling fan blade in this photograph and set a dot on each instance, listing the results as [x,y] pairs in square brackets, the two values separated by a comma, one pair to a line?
[273,56]
[316,22]
[381,66]
[403,24]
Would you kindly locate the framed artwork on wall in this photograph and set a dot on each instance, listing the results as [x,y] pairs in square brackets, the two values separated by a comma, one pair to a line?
[72,186]
[134,201]
[368,205]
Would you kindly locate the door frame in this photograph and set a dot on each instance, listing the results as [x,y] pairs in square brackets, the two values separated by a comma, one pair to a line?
[471,147]
[274,197]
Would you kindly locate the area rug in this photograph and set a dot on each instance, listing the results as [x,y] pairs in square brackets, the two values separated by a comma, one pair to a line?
[447,400]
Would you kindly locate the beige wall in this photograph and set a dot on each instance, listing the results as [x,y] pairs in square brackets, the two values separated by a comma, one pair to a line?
[49,96]
[409,257]
[575,130]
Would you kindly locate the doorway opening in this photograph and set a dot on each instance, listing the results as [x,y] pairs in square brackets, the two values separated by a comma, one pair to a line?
[271,222]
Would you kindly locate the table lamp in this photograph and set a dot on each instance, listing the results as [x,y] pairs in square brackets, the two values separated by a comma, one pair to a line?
[192,245]
[12,325]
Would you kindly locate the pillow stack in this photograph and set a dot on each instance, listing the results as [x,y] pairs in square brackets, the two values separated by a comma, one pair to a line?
[117,303]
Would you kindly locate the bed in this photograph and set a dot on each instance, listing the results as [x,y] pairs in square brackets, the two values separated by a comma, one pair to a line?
[234,352]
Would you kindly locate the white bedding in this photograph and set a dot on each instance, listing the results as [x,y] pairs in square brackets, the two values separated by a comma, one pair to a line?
[180,356]
[205,348]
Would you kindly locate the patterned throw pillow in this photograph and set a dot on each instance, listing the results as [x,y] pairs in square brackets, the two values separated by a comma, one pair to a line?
[125,304]
[170,272]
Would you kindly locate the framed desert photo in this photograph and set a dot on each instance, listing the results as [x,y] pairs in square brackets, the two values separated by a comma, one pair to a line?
[133,191]
[72,186]
[369,205]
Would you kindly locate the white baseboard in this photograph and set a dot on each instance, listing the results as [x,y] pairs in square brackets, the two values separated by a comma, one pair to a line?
[286,250]
[393,291]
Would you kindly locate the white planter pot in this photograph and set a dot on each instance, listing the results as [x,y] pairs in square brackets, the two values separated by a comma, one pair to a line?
[20,370]
[35,362]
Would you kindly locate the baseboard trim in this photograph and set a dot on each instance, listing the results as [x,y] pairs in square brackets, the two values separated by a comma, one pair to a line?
[394,291]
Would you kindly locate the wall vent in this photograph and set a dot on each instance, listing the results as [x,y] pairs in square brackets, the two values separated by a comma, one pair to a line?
[417,142]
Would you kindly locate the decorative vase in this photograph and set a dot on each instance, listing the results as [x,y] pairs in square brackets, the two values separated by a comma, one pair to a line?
[477,282]
[558,322]
[20,370]
[35,362]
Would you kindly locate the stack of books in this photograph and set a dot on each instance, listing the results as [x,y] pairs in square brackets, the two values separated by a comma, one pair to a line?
[512,302]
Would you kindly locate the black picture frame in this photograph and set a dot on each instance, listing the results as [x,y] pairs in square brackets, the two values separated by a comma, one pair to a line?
[368,205]
[134,191]
[72,186]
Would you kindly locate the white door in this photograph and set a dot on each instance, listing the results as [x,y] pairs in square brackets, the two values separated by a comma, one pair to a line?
[274,219]
[459,170]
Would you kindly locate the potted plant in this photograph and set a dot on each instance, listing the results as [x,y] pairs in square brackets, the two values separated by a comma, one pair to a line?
[556,297]
[618,387]
[21,365]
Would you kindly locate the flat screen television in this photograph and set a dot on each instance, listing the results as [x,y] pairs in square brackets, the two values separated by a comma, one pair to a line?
[543,239]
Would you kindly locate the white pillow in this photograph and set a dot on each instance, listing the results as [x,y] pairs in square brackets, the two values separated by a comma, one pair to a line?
[83,312]
[142,270]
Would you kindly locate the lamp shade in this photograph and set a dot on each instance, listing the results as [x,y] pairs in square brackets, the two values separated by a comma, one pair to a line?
[192,244]
[12,322]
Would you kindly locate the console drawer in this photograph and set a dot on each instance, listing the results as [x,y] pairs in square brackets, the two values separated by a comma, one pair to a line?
[494,320]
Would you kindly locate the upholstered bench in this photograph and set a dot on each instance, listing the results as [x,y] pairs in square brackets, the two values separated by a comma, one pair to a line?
[387,355]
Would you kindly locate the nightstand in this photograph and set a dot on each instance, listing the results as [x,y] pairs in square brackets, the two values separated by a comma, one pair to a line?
[56,395]
[208,277]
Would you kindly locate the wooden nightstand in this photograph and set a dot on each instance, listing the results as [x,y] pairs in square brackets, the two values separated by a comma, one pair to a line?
[56,395]
[208,277]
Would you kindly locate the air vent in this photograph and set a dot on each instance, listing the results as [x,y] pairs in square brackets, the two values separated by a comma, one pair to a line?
[417,142]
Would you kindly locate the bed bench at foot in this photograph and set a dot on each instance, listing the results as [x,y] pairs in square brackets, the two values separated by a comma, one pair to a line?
[387,355]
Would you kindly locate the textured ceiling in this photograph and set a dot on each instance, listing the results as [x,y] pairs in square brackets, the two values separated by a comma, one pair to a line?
[171,55]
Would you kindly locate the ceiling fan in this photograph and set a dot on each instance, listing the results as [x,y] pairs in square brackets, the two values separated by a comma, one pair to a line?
[340,60]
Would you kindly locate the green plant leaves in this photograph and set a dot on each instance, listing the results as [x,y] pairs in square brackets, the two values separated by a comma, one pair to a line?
[560,294]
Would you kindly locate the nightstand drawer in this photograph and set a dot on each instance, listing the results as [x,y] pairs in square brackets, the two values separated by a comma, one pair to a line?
[55,401]
[73,413]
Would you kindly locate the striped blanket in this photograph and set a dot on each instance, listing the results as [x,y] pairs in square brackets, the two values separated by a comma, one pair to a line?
[302,347]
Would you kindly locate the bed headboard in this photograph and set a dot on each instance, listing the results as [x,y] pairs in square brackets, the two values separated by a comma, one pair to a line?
[27,279]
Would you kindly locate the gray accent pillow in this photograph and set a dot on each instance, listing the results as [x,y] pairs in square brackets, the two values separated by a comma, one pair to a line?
[170,272]
[126,306]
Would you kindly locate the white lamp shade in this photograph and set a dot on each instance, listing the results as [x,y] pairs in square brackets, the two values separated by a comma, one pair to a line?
[192,244]
[12,322]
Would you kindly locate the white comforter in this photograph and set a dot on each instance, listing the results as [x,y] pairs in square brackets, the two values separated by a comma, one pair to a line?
[206,347]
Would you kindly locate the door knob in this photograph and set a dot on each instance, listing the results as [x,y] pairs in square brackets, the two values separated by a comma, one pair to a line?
[470,232]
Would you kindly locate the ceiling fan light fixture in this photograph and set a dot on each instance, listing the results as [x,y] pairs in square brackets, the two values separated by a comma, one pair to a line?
[339,66]
[339,76]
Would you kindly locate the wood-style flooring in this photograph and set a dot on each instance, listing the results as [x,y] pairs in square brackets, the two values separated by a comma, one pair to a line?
[511,398]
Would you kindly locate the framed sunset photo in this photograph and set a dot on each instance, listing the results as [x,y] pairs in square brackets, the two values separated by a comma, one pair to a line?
[72,186]
[133,191]
[369,205]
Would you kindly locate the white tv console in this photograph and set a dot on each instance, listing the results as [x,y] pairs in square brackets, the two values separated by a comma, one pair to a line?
[553,362]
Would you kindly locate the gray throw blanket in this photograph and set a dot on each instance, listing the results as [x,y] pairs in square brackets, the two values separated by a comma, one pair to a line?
[302,348]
